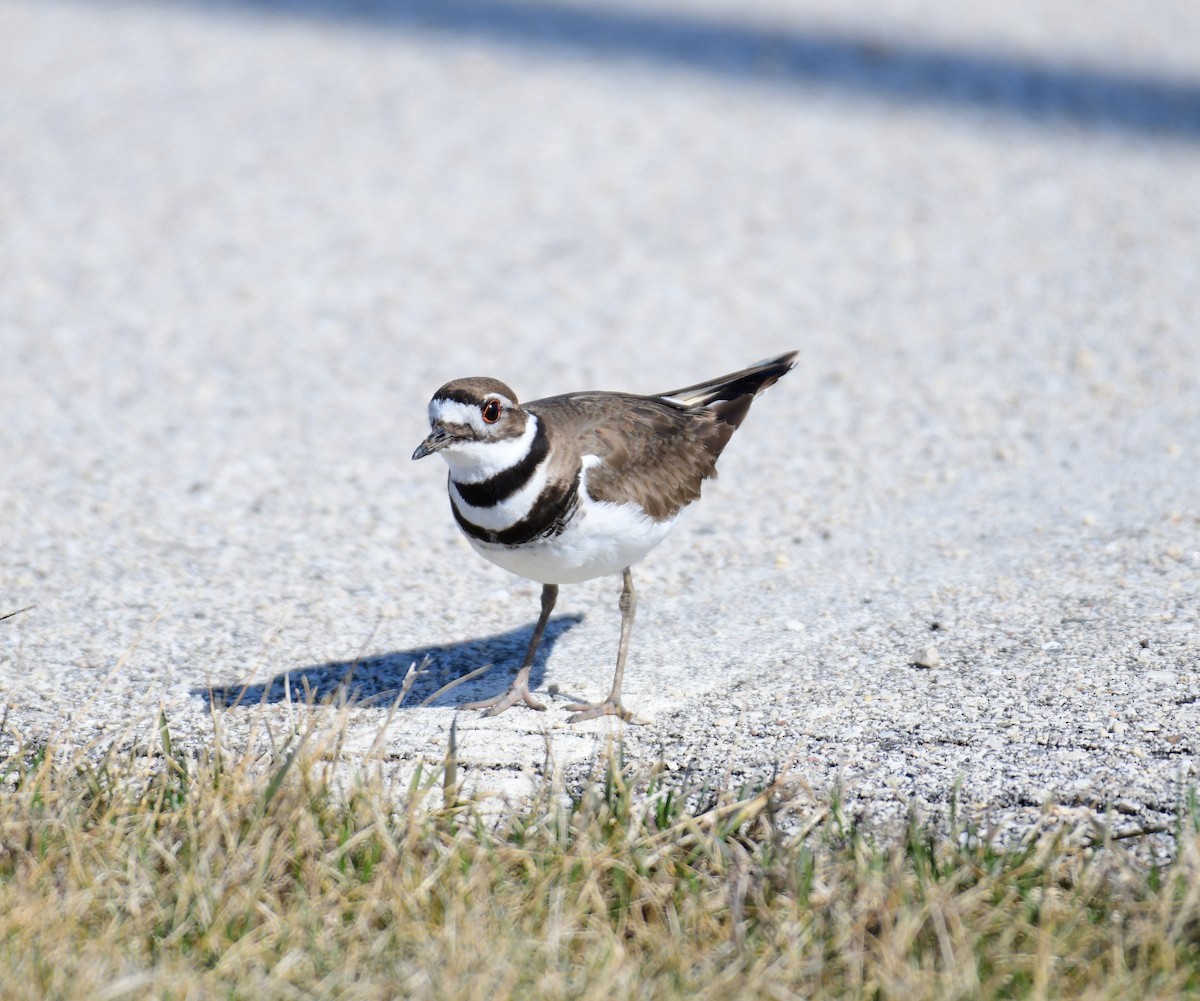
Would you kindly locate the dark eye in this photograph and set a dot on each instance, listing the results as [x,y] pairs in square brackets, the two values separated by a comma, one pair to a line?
[491,411]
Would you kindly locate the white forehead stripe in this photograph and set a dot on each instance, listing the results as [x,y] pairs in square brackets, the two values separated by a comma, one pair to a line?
[455,412]
[476,461]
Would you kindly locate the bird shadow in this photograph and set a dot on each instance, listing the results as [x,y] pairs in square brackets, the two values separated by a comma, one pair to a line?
[379,679]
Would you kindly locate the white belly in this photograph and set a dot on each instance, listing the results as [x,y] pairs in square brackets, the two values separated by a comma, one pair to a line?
[601,539]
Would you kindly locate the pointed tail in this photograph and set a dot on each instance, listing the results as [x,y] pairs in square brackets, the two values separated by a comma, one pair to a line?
[730,396]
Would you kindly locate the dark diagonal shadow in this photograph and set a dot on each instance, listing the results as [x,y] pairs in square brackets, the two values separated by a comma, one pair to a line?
[897,71]
[378,679]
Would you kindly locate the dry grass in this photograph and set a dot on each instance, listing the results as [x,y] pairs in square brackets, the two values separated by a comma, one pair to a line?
[162,876]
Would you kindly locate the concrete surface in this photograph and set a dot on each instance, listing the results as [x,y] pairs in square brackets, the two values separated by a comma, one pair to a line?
[241,244]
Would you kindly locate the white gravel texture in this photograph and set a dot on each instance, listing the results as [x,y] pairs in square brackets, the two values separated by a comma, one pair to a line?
[957,548]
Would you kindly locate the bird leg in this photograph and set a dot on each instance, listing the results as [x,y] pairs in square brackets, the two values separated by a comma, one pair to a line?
[519,691]
[612,705]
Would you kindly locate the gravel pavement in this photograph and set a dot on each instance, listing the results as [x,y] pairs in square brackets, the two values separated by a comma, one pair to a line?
[955,553]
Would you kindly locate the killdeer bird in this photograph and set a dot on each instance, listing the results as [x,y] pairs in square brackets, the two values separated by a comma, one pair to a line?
[572,487]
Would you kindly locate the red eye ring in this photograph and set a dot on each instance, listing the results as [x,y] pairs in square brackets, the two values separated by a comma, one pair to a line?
[490,411]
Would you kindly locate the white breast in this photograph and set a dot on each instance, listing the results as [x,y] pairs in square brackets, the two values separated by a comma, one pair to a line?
[601,538]
[507,512]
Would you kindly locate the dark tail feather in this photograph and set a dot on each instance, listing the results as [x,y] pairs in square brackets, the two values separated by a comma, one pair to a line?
[730,396]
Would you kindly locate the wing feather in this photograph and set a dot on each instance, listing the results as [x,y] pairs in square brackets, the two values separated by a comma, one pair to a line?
[654,451]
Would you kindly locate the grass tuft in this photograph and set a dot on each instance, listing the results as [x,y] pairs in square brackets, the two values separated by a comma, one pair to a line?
[167,875]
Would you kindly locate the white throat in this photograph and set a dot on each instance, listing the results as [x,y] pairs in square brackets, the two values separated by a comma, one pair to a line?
[476,461]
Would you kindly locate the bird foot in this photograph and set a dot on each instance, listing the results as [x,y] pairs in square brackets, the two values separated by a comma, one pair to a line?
[495,706]
[609,707]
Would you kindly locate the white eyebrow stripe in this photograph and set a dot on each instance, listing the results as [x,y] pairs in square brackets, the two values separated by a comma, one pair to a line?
[454,412]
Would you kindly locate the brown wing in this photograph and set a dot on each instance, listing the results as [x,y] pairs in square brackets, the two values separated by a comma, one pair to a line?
[654,453]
